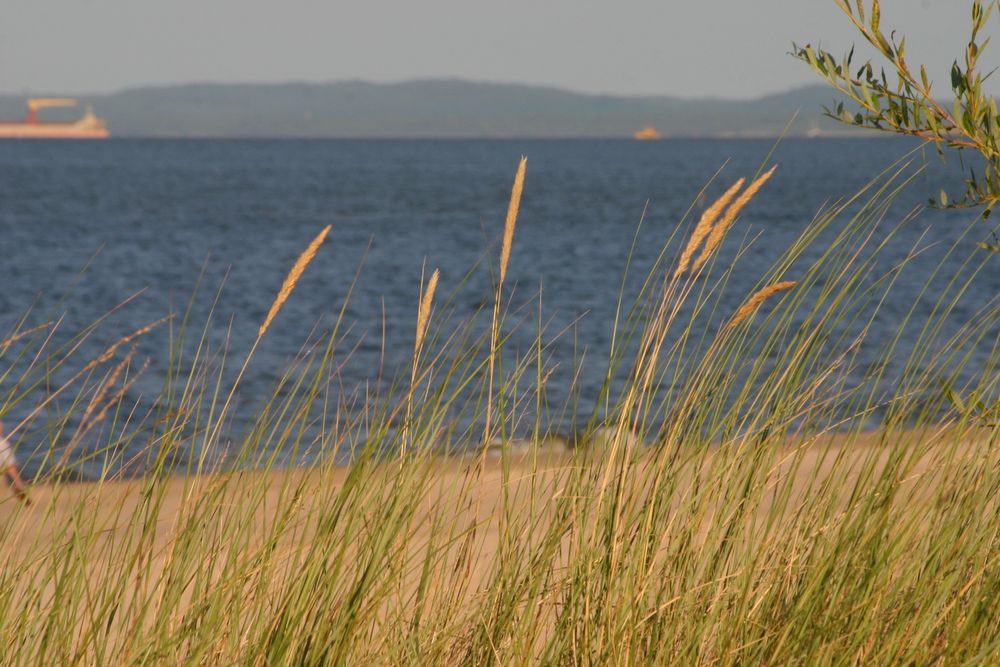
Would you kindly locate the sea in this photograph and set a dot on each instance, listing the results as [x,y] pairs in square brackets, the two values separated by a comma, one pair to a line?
[100,239]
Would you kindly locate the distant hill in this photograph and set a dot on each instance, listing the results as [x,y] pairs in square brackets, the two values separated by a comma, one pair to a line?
[437,109]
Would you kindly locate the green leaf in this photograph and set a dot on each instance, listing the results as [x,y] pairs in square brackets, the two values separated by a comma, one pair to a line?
[867,95]
[811,57]
[943,198]
[884,45]
[932,123]
[957,80]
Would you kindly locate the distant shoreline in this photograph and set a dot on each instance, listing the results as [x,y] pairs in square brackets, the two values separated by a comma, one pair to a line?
[443,108]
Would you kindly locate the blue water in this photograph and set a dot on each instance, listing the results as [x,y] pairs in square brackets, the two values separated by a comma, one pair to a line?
[85,226]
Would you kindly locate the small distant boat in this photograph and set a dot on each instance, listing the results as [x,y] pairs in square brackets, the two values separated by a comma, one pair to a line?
[648,133]
[87,127]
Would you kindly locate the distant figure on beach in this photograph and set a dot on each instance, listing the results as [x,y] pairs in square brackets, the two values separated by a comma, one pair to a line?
[8,468]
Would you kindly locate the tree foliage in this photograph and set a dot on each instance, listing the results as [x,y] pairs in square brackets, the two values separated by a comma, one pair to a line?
[901,100]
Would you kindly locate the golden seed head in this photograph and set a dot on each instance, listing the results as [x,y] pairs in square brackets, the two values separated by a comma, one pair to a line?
[704,225]
[293,277]
[758,298]
[110,351]
[719,230]
[424,313]
[511,222]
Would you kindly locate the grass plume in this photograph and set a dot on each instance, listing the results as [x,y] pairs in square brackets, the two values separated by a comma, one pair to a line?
[719,230]
[293,277]
[759,297]
[424,312]
[704,226]
[510,222]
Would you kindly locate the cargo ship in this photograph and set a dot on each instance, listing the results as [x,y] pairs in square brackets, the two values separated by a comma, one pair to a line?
[647,133]
[87,127]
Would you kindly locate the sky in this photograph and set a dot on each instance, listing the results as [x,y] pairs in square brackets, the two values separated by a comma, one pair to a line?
[688,48]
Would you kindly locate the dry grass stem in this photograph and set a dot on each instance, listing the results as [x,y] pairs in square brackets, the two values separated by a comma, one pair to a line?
[719,230]
[18,336]
[89,419]
[704,225]
[104,356]
[293,277]
[424,313]
[511,222]
[758,298]
[110,351]
[423,317]
[508,239]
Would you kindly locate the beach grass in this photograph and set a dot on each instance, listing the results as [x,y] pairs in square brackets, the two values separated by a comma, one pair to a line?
[738,495]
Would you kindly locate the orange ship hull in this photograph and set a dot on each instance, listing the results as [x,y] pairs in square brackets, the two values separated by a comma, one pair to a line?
[648,134]
[78,130]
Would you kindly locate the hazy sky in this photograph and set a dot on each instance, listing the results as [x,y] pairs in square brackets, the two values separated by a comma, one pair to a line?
[730,48]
